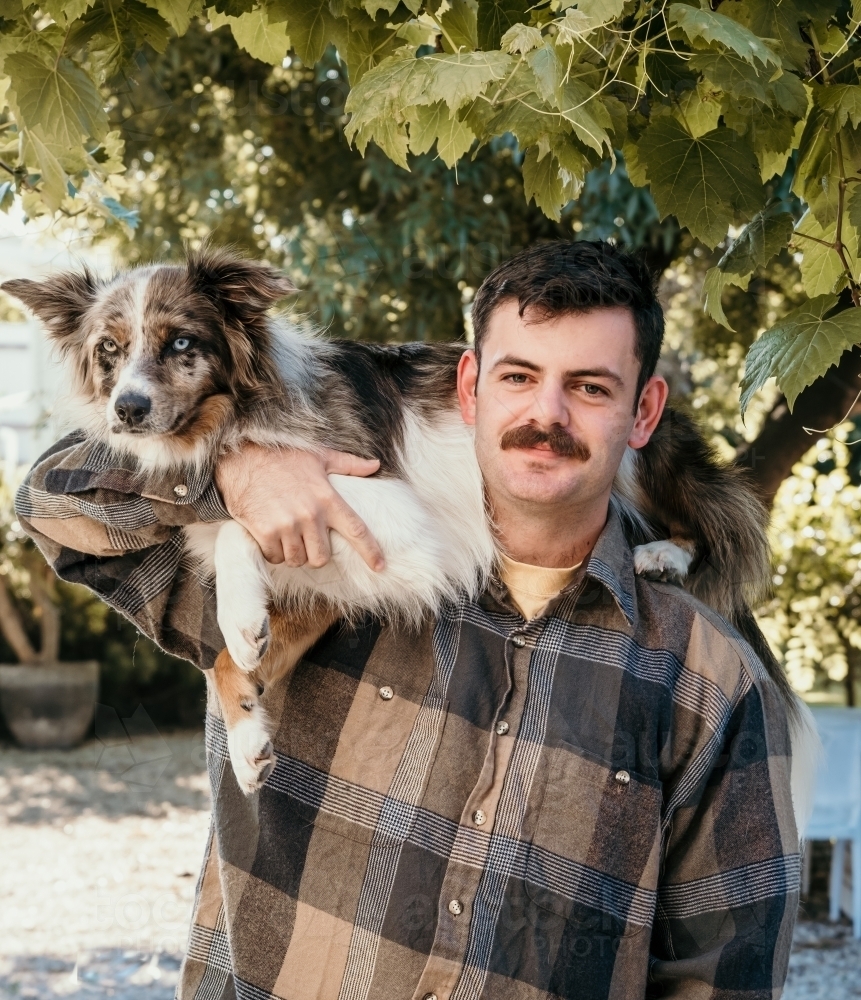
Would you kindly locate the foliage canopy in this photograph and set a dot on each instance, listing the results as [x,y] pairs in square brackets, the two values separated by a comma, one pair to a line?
[709,108]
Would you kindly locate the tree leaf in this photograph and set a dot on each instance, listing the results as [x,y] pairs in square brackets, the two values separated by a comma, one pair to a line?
[310,24]
[521,38]
[821,269]
[373,7]
[765,235]
[385,90]
[147,24]
[588,116]
[66,11]
[460,78]
[843,100]
[253,32]
[434,123]
[54,181]
[541,182]
[800,348]
[460,25]
[698,110]
[715,282]
[177,13]
[711,27]
[495,17]
[61,99]
[728,72]
[705,182]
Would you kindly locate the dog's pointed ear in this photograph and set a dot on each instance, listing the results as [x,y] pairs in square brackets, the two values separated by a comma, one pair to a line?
[243,288]
[59,301]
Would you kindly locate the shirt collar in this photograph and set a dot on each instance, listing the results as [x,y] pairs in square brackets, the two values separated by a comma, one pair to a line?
[610,564]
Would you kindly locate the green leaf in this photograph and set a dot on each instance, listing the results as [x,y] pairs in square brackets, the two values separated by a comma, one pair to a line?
[800,348]
[54,182]
[843,100]
[147,24]
[390,135]
[541,182]
[698,110]
[373,7]
[711,27]
[777,19]
[460,26]
[730,73]
[434,123]
[128,216]
[310,24]
[521,38]
[495,17]
[588,116]
[705,182]
[854,206]
[790,94]
[177,13]
[264,41]
[715,282]
[821,269]
[61,98]
[765,235]
[460,78]
[64,11]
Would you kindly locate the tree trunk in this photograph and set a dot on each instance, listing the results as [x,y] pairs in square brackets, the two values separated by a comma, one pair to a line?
[50,616]
[783,440]
[13,628]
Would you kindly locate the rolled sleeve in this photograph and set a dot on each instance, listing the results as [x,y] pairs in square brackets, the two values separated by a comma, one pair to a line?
[101,522]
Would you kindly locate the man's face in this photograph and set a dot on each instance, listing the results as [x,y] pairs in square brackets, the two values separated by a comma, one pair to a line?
[553,404]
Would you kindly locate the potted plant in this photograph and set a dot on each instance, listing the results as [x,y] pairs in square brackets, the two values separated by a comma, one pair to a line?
[46,703]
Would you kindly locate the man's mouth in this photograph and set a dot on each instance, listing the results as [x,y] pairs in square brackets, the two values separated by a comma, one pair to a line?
[556,441]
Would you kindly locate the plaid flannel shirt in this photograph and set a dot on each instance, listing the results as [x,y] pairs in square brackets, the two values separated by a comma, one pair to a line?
[594,804]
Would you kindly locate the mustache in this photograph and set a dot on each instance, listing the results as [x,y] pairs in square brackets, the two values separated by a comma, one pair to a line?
[560,441]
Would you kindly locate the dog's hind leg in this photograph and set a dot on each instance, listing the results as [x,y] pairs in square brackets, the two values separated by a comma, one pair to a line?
[242,592]
[248,735]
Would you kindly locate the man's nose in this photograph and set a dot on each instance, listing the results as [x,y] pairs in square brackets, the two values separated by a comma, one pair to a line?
[132,407]
[550,407]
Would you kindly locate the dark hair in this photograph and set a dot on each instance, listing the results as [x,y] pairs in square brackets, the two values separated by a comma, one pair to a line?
[564,277]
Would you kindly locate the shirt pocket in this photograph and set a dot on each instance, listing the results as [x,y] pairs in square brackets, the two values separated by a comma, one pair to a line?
[379,772]
[595,851]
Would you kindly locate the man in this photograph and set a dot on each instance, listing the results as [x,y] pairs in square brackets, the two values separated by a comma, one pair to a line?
[574,787]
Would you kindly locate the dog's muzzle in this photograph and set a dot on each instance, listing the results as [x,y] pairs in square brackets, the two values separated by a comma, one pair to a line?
[132,408]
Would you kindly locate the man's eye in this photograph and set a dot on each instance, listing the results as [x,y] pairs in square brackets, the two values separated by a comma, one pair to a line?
[518,378]
[593,390]
[181,344]
[109,347]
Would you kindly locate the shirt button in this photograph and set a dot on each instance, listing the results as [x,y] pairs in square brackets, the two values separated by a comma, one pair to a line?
[623,777]
[181,490]
[455,907]
[519,641]
[386,693]
[501,728]
[479,817]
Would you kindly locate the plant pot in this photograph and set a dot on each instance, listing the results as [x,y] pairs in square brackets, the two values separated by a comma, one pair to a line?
[51,705]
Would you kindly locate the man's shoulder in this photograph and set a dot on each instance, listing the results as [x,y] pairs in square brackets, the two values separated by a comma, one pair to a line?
[708,645]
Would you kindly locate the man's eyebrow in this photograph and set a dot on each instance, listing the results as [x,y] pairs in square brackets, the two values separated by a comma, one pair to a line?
[510,359]
[597,373]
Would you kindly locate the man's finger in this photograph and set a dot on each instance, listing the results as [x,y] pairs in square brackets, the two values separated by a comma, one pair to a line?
[347,522]
[342,463]
[316,538]
[294,551]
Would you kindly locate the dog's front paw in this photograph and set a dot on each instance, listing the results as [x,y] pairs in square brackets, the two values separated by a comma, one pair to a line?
[662,560]
[245,643]
[251,752]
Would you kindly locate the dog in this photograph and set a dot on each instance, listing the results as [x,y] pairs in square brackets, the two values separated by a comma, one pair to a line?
[176,364]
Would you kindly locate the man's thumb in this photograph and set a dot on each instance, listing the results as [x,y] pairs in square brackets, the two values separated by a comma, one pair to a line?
[342,463]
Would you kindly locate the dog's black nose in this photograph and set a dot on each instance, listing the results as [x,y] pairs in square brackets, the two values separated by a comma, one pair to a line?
[131,408]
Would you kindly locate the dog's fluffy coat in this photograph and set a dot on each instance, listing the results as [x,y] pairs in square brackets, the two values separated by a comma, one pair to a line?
[249,377]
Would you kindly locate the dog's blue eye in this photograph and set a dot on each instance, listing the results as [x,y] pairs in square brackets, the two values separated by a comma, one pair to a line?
[181,344]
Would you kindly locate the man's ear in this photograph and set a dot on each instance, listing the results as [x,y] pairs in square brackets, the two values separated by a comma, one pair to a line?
[59,301]
[243,289]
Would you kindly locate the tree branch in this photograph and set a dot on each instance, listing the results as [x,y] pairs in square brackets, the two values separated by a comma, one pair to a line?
[50,616]
[13,628]
[782,441]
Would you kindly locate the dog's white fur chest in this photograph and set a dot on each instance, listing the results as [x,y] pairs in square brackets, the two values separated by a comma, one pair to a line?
[431,525]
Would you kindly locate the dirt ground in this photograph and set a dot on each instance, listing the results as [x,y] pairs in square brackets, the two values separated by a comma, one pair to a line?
[100,850]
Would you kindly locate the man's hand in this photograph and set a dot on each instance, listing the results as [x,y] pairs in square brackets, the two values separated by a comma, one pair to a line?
[284,499]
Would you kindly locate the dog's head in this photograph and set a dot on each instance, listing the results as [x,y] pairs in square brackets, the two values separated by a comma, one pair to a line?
[165,350]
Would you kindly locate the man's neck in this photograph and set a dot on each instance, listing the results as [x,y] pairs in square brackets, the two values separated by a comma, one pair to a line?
[554,537]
